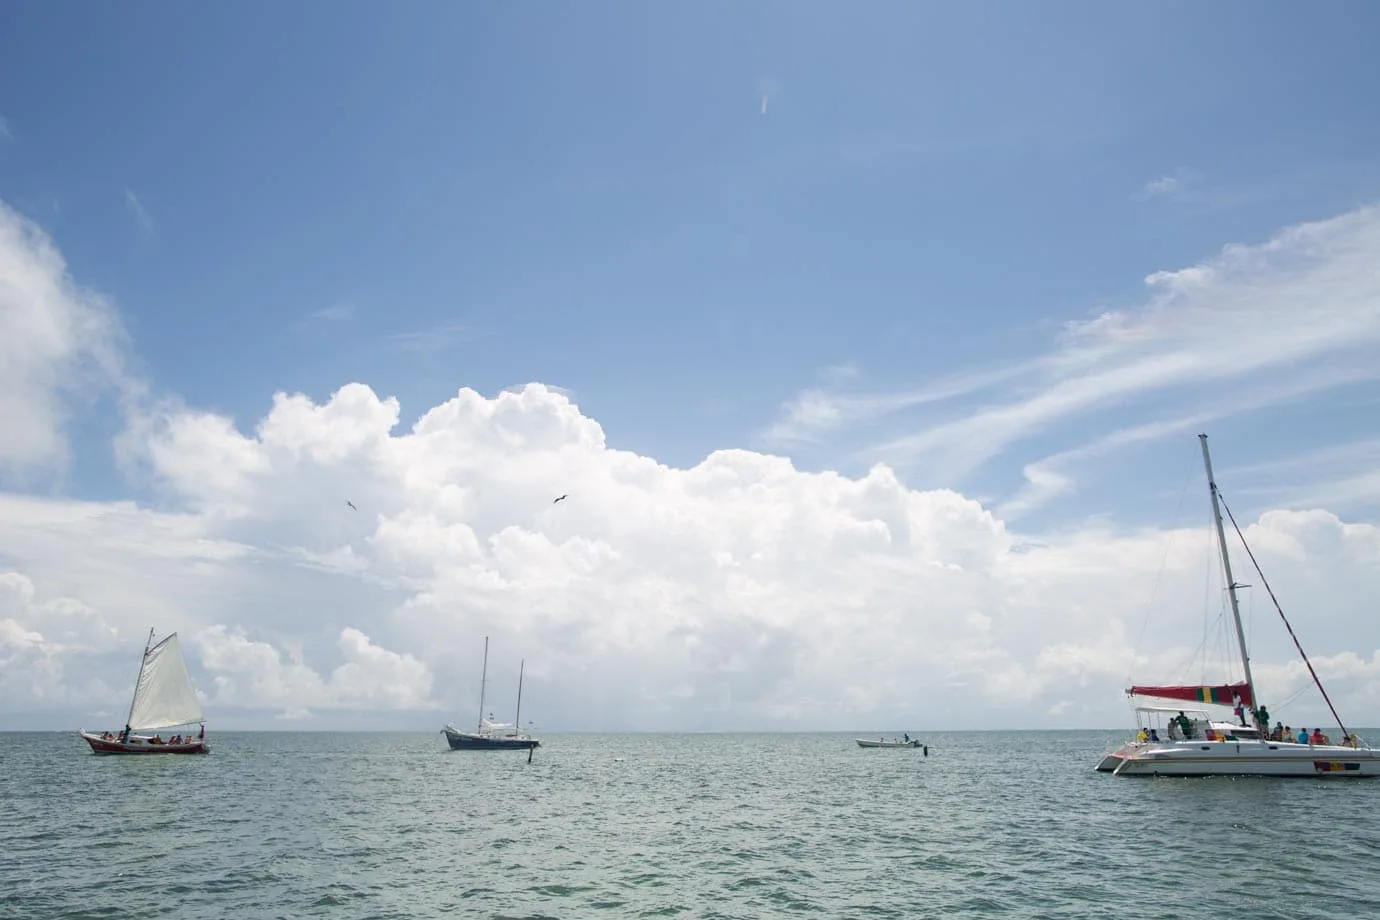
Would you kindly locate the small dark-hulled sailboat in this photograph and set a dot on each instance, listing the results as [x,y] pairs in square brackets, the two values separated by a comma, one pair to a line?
[163,698]
[490,735]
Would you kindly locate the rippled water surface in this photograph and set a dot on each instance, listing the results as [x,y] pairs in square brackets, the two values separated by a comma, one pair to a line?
[396,825]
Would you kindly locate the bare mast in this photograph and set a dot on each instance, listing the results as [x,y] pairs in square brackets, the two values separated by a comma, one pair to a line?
[1231,583]
[517,718]
[483,679]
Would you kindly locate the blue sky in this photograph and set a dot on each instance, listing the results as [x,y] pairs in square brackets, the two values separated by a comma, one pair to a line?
[595,198]
[1020,251]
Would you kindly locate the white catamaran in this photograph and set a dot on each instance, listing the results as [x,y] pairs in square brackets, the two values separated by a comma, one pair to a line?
[163,698]
[1198,745]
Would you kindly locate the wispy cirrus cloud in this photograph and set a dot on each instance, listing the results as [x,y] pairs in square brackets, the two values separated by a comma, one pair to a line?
[1053,476]
[1298,313]
[136,207]
[819,411]
[5,128]
[335,313]
[437,338]
[1164,186]
[1332,475]
[767,88]
[1179,185]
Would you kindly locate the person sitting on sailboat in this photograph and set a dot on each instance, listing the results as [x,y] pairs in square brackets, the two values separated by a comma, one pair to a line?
[1318,737]
[1154,737]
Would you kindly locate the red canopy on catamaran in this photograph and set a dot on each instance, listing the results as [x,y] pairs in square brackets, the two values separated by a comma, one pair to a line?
[1220,695]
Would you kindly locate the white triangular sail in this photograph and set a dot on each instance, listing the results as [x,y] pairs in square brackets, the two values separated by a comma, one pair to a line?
[164,697]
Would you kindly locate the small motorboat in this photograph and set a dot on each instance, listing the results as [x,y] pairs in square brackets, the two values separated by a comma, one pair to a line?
[884,743]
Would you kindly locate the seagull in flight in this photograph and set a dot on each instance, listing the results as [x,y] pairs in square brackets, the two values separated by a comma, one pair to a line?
[352,506]
[562,498]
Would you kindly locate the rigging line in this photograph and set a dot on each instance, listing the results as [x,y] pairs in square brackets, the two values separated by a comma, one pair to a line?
[1159,575]
[1293,696]
[1242,537]
[1184,671]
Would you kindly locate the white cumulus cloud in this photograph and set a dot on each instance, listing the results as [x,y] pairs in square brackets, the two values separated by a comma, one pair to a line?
[738,592]
[59,343]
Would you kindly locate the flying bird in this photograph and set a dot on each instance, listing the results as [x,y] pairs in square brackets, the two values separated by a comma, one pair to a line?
[562,498]
[352,506]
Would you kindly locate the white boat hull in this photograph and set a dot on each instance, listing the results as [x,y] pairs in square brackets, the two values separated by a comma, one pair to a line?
[887,744]
[1240,758]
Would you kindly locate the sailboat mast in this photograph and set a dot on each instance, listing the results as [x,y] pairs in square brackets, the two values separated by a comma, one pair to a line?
[517,718]
[1226,568]
[134,698]
[483,679]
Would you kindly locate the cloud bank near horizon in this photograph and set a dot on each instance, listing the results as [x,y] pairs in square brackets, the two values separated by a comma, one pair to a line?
[741,592]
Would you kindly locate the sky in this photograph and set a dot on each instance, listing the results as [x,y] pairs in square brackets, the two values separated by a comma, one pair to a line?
[870,347]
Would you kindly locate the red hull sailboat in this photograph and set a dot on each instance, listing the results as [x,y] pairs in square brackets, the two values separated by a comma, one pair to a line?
[163,698]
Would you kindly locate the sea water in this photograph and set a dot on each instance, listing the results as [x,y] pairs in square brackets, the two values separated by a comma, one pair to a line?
[394,825]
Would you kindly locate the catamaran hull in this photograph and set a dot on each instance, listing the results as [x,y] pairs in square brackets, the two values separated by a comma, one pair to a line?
[466,741]
[886,744]
[1230,758]
[100,745]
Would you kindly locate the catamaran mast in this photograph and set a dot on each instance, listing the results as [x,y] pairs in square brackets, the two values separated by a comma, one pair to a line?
[483,678]
[1231,583]
[517,719]
[135,698]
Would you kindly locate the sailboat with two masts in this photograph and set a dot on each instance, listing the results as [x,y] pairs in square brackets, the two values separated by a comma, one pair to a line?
[1202,746]
[163,698]
[490,735]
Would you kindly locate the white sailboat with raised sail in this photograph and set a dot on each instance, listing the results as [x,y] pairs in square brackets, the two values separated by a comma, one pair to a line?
[1200,745]
[163,698]
[490,735]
